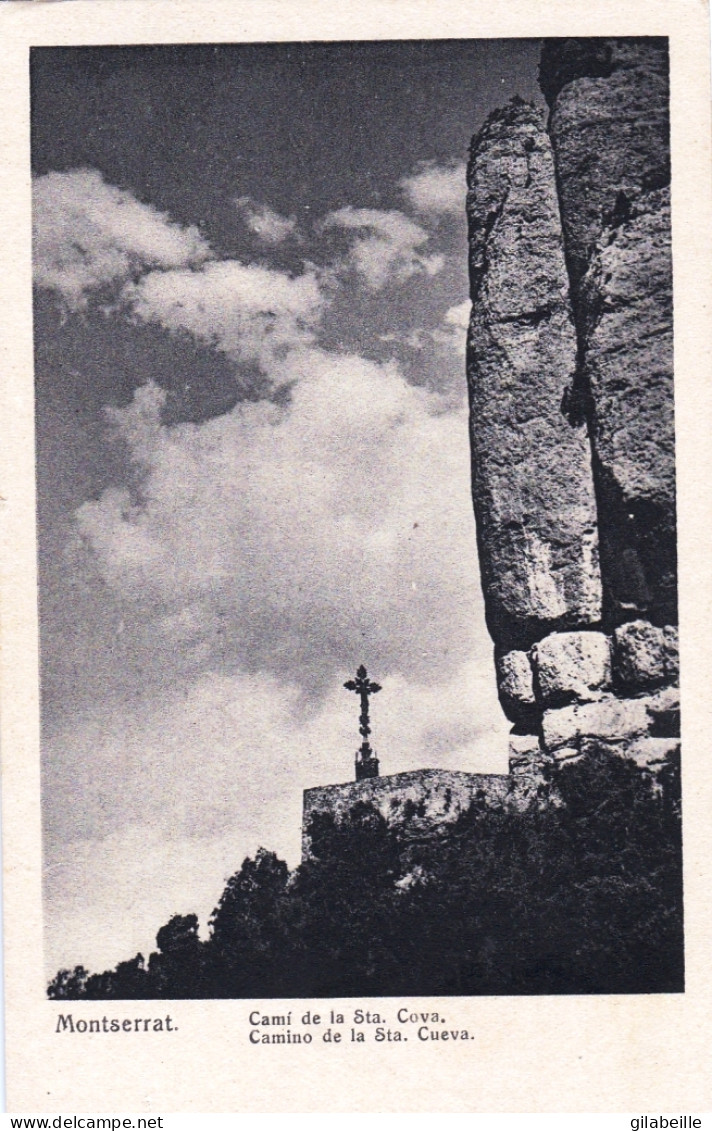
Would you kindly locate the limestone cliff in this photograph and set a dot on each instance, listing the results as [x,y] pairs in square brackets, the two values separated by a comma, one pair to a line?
[609,127]
[571,391]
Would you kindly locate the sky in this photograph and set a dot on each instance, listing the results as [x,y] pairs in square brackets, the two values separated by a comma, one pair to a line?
[252,452]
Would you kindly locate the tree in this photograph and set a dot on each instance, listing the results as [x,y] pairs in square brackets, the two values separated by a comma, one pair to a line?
[247,946]
[176,969]
[69,984]
[582,896]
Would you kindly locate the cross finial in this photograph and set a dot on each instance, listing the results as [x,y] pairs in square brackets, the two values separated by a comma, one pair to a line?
[366,760]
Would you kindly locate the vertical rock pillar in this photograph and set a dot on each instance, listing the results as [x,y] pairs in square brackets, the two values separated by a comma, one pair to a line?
[609,127]
[531,468]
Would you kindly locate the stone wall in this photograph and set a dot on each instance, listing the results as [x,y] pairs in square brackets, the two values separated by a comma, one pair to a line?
[571,405]
[620,690]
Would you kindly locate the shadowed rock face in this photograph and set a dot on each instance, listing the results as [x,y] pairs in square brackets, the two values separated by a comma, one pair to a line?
[609,128]
[610,131]
[532,480]
[626,321]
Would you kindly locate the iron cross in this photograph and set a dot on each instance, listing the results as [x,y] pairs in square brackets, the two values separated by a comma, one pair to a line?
[364,687]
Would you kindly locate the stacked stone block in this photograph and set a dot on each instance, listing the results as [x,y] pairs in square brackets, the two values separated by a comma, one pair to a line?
[575,689]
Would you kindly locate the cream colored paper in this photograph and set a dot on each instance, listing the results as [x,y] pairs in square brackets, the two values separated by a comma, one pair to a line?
[541,1054]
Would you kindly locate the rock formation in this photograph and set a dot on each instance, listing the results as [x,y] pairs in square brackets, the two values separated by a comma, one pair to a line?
[571,395]
[569,366]
[532,478]
[421,802]
[609,127]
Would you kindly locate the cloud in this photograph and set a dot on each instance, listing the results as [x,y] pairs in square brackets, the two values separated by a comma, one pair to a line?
[246,565]
[292,536]
[437,189]
[459,316]
[386,247]
[251,312]
[449,335]
[87,235]
[267,553]
[267,225]
[453,334]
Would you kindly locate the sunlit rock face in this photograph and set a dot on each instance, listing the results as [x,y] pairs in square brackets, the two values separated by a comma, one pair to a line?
[609,128]
[570,372]
[532,479]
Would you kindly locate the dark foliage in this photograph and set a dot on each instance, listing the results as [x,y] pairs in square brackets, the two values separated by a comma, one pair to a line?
[583,895]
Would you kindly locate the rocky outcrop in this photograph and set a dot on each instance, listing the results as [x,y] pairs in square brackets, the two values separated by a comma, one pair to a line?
[609,127]
[569,367]
[610,130]
[420,803]
[532,480]
[570,373]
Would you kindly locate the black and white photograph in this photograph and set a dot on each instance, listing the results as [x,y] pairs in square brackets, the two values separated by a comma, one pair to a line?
[356,518]
[354,559]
